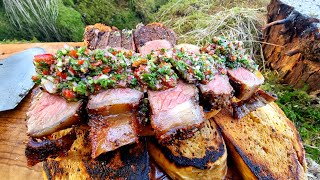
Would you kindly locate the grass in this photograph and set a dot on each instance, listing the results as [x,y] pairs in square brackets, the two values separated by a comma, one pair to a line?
[196,22]
[301,108]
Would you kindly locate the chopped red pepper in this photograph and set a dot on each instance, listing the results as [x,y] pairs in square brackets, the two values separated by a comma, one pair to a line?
[106,69]
[80,62]
[46,58]
[73,53]
[68,94]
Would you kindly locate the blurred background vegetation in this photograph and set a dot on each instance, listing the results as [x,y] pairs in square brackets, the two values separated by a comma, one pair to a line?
[195,21]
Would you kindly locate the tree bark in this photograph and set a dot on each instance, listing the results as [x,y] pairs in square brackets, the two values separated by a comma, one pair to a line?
[296,35]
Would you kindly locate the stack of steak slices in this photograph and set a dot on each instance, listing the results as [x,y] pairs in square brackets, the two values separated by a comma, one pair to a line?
[185,140]
[99,36]
[113,120]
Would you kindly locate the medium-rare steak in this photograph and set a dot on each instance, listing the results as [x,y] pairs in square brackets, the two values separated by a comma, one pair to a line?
[175,112]
[218,92]
[154,45]
[114,101]
[154,31]
[127,41]
[115,39]
[111,132]
[113,119]
[49,113]
[244,82]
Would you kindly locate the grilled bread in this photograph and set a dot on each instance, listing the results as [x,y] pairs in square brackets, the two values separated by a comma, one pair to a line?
[264,144]
[203,156]
[128,162]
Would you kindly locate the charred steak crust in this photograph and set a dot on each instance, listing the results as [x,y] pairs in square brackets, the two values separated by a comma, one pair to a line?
[37,151]
[115,39]
[127,41]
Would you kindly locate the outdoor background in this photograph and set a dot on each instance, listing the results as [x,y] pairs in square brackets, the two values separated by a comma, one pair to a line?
[195,21]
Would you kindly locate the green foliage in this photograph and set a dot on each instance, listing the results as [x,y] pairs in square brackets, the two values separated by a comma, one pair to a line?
[70,24]
[301,108]
[111,12]
[146,9]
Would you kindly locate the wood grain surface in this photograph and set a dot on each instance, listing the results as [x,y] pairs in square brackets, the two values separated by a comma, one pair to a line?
[13,164]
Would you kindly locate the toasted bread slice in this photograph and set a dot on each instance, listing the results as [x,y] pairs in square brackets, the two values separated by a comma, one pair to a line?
[202,156]
[128,162]
[264,144]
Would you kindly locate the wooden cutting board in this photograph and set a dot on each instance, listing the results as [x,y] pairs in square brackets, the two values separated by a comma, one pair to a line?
[13,164]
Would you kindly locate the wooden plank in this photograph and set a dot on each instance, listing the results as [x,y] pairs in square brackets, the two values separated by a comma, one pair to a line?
[7,50]
[13,138]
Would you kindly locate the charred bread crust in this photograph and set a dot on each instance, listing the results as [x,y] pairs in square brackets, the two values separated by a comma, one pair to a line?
[212,143]
[261,144]
[192,158]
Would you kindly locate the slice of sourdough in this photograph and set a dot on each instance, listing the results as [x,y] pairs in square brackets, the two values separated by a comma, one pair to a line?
[264,144]
[127,162]
[203,156]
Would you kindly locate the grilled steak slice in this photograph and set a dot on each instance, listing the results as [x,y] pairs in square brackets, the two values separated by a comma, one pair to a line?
[114,101]
[129,162]
[103,40]
[49,113]
[244,82]
[175,112]
[259,99]
[217,93]
[113,119]
[96,36]
[115,39]
[37,151]
[154,31]
[127,41]
[111,132]
[154,45]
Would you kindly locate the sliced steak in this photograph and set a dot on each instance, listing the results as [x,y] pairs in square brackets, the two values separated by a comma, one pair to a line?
[37,151]
[103,40]
[96,36]
[154,31]
[175,112]
[114,101]
[154,45]
[49,113]
[244,82]
[111,132]
[127,41]
[113,119]
[217,93]
[115,39]
[258,99]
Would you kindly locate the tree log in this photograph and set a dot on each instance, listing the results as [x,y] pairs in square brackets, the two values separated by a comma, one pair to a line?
[294,26]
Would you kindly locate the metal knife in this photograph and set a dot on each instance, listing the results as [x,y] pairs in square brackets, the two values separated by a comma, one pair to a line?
[15,77]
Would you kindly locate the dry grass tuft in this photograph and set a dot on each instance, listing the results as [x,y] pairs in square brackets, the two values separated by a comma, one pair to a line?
[197,22]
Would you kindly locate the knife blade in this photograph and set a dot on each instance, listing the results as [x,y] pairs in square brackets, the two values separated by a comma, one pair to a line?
[15,77]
